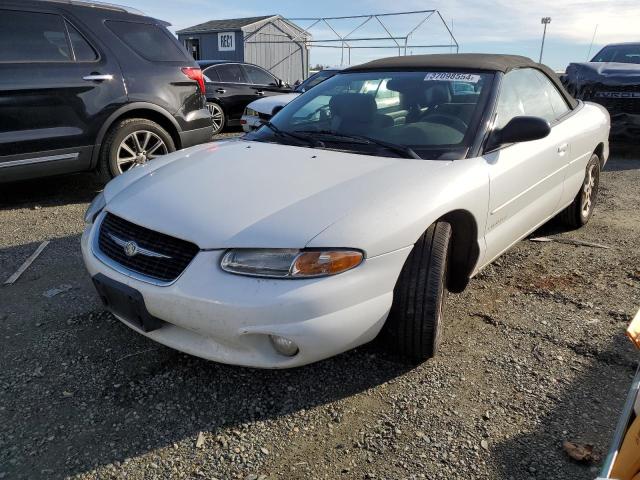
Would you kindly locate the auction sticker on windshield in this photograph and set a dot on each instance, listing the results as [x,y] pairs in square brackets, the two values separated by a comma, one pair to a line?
[451,77]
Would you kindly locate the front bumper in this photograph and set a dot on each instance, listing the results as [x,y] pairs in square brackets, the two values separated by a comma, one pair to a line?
[625,127]
[250,123]
[625,118]
[228,318]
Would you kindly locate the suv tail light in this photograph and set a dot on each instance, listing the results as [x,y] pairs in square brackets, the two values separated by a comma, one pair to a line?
[194,73]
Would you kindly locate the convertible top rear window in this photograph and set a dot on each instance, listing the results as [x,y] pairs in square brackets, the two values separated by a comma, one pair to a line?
[431,112]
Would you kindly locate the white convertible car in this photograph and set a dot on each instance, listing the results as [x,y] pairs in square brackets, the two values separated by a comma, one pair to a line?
[350,215]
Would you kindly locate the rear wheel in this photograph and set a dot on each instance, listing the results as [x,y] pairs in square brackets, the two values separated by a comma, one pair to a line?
[130,143]
[413,327]
[217,117]
[579,212]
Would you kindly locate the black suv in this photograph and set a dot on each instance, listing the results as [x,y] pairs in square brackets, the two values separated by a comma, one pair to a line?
[87,86]
[231,86]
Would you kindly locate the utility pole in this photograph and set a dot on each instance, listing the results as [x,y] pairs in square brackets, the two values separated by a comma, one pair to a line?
[545,21]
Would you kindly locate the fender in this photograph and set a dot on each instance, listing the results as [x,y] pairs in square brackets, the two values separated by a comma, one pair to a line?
[118,113]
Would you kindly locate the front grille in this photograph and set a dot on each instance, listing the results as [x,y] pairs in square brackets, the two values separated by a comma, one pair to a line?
[115,230]
[617,99]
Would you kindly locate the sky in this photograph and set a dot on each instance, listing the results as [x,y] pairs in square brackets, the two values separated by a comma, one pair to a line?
[489,26]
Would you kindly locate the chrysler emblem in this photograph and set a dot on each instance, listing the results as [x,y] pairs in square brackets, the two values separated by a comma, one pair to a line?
[130,248]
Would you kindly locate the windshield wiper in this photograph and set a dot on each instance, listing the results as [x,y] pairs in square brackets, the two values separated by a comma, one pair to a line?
[301,140]
[406,151]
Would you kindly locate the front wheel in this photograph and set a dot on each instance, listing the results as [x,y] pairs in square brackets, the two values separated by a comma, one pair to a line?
[413,327]
[579,212]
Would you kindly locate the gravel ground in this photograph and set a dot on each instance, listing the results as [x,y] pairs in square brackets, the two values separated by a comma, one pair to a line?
[533,354]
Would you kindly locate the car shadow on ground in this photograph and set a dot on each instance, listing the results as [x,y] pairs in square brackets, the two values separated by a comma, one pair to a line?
[585,412]
[626,158]
[80,389]
[621,164]
[50,191]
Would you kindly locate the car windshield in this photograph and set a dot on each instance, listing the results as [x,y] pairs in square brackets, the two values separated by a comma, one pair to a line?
[314,80]
[417,114]
[619,54]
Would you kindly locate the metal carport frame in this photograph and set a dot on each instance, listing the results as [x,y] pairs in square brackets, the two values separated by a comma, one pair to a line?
[345,41]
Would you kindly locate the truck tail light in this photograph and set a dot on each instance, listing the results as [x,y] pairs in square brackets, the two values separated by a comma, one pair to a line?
[194,73]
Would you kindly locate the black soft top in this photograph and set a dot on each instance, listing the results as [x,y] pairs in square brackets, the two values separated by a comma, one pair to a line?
[463,61]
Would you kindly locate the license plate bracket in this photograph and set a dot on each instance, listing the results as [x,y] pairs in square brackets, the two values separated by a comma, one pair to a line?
[125,302]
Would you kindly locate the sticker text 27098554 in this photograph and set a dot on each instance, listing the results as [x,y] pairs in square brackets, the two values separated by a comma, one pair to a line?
[451,77]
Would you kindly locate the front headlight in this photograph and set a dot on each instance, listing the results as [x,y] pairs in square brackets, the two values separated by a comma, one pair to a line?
[95,207]
[250,112]
[288,263]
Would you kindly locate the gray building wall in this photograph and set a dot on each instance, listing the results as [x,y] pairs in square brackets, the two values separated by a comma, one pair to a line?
[286,59]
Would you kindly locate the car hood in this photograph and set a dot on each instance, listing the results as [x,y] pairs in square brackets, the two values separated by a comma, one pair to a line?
[248,194]
[606,73]
[267,104]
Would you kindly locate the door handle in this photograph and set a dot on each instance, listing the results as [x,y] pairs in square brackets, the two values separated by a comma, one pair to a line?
[260,92]
[221,90]
[94,77]
[562,149]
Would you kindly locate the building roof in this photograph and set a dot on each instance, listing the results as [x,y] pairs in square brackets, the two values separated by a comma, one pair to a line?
[463,61]
[221,25]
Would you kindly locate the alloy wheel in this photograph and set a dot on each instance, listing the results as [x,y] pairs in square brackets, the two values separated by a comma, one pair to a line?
[588,190]
[217,116]
[138,148]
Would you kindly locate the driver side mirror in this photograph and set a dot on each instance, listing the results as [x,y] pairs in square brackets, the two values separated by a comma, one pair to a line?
[520,129]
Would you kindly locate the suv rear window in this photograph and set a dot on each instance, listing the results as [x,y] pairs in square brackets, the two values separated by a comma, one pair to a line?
[149,41]
[33,37]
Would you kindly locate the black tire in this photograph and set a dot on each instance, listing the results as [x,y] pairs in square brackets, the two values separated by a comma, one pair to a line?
[218,117]
[576,215]
[413,327]
[108,163]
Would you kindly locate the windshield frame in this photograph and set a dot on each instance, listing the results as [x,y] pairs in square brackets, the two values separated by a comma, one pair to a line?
[431,152]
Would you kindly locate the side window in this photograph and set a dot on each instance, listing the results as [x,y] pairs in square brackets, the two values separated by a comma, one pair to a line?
[370,87]
[211,74]
[33,37]
[258,76]
[149,41]
[557,101]
[231,73]
[82,50]
[522,93]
